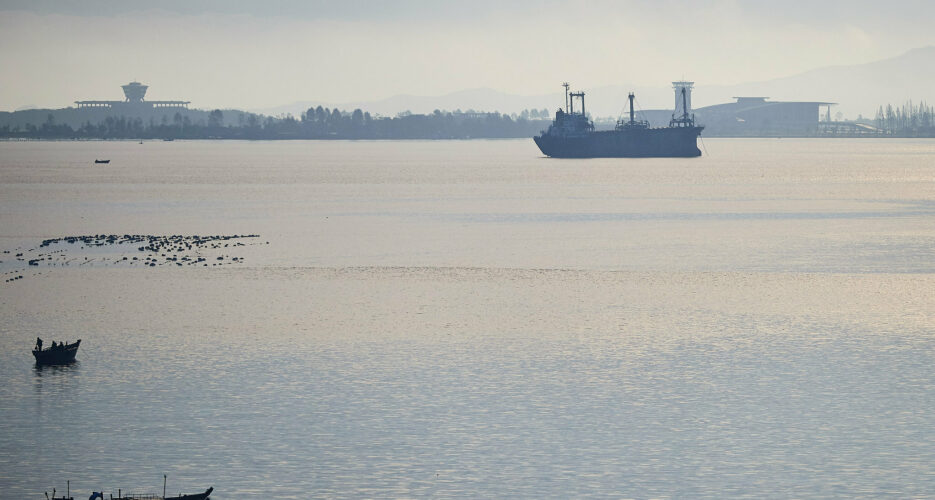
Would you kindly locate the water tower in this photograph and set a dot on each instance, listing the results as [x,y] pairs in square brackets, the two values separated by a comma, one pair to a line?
[683,107]
[134,91]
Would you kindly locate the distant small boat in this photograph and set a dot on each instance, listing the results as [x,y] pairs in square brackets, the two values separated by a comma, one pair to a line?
[168,139]
[101,161]
[60,354]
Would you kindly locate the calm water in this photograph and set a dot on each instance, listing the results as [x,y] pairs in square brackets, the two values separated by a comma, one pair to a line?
[469,320]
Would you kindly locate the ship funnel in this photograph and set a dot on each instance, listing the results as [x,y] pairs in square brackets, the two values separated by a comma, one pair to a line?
[683,105]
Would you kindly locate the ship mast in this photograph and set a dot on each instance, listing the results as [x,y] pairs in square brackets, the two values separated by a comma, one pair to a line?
[631,97]
[566,95]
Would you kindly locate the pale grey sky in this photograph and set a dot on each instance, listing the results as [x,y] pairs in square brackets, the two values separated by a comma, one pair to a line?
[261,54]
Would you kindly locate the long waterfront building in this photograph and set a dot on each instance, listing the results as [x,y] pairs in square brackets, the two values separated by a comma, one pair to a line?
[134,93]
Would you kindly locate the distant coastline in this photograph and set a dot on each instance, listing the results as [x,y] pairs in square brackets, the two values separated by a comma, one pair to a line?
[907,121]
[318,123]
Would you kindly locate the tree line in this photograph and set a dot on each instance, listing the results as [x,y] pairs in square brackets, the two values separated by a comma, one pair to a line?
[315,123]
[908,120]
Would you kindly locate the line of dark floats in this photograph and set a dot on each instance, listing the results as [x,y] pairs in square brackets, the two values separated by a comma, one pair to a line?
[151,242]
[157,244]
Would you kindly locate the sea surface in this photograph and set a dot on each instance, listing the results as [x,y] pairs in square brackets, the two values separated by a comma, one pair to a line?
[468,319]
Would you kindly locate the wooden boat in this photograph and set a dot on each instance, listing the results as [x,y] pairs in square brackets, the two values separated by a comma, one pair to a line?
[61,354]
[63,497]
[194,496]
[101,161]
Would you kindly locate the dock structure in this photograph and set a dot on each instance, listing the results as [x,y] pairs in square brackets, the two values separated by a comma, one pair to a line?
[134,93]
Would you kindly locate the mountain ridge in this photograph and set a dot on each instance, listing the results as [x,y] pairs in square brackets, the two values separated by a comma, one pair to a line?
[857,89]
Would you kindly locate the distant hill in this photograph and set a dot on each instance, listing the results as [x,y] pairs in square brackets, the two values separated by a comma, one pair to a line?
[858,89]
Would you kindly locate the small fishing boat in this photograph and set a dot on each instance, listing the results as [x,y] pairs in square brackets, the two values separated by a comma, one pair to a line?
[58,354]
[63,497]
[101,161]
[194,496]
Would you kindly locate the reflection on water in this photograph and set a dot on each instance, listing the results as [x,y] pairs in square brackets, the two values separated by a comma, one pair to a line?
[52,385]
[50,371]
[464,319]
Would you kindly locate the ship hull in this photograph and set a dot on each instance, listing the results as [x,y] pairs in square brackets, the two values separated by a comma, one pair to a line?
[671,142]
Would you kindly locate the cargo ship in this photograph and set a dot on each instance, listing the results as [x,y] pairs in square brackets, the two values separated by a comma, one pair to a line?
[572,134]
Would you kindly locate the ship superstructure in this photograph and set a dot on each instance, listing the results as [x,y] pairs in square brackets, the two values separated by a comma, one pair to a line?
[572,134]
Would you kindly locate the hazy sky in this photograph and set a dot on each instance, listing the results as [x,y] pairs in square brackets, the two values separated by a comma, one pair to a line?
[234,53]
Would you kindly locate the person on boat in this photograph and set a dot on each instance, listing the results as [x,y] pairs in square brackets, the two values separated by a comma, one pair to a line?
[53,344]
[38,344]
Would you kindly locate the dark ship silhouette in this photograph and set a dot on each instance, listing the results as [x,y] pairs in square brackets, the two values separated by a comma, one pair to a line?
[572,135]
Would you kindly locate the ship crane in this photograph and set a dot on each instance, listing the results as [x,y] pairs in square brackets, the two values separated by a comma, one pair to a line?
[632,123]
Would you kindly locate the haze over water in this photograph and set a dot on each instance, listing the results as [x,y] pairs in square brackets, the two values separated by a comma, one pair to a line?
[467,319]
